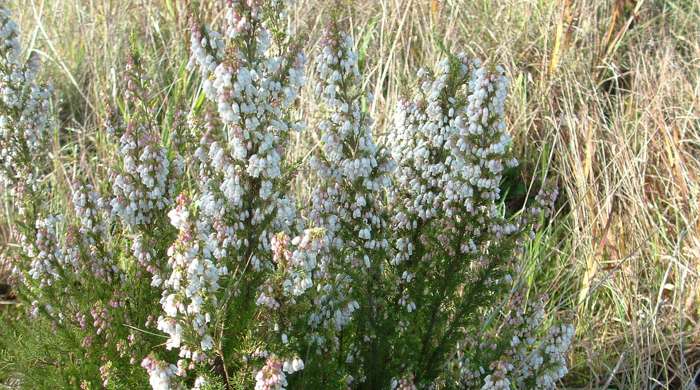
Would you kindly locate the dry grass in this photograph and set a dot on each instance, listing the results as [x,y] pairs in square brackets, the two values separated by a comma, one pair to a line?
[604,96]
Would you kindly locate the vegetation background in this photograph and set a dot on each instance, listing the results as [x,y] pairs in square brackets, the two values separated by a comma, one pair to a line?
[605,98]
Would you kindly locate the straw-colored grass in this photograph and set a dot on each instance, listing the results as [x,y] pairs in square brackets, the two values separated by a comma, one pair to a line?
[604,97]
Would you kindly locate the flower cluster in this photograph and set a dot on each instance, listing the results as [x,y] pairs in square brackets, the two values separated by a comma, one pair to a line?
[142,188]
[240,197]
[101,317]
[353,175]
[144,183]
[88,207]
[544,206]
[271,376]
[240,176]
[45,251]
[352,170]
[451,153]
[531,356]
[24,112]
[82,249]
[450,145]
[297,259]
[160,373]
[189,295]
[90,236]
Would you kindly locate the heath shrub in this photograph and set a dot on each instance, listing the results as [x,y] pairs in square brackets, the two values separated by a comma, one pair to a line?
[207,257]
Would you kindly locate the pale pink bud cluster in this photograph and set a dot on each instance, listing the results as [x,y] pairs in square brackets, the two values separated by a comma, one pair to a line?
[160,374]
[271,376]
